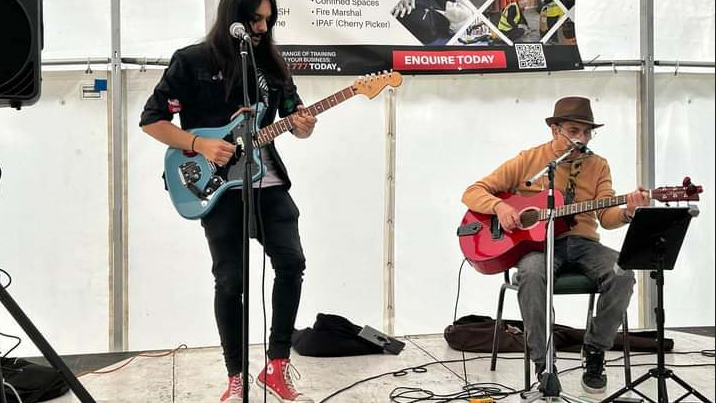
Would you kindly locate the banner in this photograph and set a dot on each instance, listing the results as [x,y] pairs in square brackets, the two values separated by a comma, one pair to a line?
[354,37]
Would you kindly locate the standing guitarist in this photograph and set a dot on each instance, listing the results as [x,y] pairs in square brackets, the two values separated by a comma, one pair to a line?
[580,177]
[203,84]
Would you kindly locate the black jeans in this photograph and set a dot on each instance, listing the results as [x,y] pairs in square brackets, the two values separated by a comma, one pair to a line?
[223,228]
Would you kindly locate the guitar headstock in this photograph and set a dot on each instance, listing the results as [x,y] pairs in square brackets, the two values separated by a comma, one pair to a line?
[371,85]
[687,192]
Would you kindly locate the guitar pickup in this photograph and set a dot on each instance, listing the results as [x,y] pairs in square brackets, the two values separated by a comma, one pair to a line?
[471,228]
[189,172]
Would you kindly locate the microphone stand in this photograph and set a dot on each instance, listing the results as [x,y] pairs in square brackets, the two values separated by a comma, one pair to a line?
[247,197]
[549,382]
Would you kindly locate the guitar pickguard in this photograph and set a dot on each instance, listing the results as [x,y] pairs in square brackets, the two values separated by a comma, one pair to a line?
[234,171]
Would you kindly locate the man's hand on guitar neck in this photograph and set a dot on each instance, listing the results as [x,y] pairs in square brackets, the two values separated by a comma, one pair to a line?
[637,198]
[508,216]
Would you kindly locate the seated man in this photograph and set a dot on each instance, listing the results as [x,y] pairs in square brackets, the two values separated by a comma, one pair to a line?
[580,177]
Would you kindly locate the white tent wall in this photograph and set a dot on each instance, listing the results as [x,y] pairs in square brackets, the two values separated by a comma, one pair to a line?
[76,29]
[685,146]
[450,133]
[338,175]
[155,29]
[609,30]
[684,30]
[169,282]
[620,19]
[54,217]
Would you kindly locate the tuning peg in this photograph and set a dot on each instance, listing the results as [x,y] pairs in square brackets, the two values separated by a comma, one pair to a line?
[692,189]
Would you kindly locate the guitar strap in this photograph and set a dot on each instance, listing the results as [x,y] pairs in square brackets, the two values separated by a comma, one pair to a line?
[575,168]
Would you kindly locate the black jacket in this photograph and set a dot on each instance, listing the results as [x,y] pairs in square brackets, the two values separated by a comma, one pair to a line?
[193,87]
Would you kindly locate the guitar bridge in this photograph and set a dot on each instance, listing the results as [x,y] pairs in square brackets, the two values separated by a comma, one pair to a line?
[471,228]
[190,173]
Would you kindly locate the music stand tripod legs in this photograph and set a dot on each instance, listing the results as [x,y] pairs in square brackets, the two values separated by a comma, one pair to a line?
[652,243]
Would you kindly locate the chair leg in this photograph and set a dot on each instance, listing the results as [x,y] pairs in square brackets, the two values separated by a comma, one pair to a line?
[498,327]
[528,382]
[627,349]
[590,315]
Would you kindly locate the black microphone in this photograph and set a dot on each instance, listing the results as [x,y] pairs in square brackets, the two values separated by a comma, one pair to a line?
[581,147]
[238,31]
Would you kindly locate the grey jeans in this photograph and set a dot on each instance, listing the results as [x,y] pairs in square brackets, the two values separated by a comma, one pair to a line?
[590,258]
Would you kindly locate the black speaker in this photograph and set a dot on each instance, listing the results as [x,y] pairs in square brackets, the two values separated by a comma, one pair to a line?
[20,47]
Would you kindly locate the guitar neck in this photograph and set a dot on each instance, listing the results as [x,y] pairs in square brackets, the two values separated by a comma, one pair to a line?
[270,132]
[585,206]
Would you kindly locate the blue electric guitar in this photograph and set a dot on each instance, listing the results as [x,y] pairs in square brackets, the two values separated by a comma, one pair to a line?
[195,184]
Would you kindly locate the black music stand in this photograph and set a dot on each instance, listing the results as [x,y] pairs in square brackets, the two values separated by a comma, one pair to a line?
[652,243]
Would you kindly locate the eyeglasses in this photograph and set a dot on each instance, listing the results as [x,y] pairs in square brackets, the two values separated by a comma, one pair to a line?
[573,131]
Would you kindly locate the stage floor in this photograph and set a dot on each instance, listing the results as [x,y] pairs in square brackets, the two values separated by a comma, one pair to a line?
[198,375]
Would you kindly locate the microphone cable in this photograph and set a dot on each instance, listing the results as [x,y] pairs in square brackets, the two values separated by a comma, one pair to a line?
[9,279]
[18,340]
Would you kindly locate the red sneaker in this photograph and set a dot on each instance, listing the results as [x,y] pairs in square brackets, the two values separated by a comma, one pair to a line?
[234,393]
[277,379]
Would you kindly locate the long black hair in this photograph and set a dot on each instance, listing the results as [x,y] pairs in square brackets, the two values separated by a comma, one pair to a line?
[225,48]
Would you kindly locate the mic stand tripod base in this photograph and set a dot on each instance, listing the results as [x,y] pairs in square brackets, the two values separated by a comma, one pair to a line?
[549,386]
[549,389]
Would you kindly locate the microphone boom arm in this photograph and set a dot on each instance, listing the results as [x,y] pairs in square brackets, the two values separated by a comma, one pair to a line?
[551,164]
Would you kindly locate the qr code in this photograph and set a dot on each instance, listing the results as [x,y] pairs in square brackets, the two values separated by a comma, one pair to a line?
[530,56]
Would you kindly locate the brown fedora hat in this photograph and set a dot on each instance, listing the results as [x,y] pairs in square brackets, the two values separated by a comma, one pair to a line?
[575,109]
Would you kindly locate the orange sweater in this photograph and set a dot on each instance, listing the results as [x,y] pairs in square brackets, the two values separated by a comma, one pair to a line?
[593,182]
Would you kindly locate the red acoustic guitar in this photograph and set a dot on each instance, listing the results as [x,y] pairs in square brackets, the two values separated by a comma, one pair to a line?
[490,249]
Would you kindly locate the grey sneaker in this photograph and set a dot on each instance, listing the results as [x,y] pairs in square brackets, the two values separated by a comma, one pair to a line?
[594,380]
